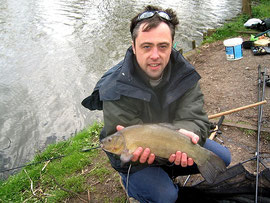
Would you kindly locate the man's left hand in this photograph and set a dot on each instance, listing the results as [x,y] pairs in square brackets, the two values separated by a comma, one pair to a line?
[180,158]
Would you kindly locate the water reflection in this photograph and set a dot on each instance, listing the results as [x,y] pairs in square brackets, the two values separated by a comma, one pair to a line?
[53,52]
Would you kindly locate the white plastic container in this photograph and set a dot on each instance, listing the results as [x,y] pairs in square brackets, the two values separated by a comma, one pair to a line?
[233,48]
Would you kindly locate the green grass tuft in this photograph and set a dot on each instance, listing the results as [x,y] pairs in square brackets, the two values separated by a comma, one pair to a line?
[41,182]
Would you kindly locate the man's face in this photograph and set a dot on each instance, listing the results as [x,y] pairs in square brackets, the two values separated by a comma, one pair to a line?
[153,49]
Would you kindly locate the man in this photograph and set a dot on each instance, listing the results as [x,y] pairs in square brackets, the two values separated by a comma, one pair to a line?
[153,84]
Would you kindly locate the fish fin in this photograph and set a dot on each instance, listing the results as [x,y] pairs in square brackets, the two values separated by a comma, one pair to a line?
[125,157]
[212,167]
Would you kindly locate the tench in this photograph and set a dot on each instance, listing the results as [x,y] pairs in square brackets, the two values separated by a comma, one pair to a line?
[162,141]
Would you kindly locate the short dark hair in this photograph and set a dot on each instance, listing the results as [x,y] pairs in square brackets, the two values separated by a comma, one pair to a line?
[153,21]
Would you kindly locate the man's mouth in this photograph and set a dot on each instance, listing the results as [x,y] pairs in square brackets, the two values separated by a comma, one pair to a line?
[154,66]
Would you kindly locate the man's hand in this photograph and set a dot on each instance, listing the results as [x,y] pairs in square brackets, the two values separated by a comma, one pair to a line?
[143,155]
[182,158]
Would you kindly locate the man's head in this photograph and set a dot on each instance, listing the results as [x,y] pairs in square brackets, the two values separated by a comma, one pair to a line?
[152,37]
[153,16]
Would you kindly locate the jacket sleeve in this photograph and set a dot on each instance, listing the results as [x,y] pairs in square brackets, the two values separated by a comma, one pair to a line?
[190,114]
[120,112]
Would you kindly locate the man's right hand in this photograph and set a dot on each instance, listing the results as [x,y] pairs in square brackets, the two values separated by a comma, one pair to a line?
[143,155]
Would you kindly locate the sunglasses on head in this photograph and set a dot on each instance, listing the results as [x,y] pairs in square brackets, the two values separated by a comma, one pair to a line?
[150,14]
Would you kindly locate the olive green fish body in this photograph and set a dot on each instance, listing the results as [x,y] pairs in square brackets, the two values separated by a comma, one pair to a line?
[162,141]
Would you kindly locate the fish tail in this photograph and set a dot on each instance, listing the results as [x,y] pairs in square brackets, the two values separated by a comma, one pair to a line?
[212,167]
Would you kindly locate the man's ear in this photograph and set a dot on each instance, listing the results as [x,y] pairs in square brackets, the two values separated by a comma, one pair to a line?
[133,47]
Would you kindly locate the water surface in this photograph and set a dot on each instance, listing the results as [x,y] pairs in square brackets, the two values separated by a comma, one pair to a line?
[54,51]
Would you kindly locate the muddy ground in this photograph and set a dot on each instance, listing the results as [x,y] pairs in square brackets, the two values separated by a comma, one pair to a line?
[226,85]
[231,84]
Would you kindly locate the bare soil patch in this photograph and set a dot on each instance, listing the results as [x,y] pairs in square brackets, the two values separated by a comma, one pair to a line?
[231,84]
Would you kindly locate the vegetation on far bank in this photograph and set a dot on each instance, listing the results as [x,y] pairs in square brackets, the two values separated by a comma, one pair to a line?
[64,176]
[260,10]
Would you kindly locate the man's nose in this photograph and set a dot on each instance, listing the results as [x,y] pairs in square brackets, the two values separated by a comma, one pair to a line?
[155,53]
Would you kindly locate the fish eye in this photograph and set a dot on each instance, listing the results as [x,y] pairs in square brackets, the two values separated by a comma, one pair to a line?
[109,139]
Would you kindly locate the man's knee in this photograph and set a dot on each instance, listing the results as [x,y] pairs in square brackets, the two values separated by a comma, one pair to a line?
[222,151]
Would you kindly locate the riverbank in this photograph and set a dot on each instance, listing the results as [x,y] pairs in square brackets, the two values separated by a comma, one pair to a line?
[63,170]
[87,176]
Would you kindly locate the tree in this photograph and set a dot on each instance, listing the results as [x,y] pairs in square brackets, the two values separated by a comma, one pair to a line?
[246,7]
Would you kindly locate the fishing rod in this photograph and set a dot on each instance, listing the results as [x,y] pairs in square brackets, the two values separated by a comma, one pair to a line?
[261,95]
[50,159]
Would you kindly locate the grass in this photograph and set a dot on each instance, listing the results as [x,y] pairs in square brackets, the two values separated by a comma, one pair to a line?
[236,26]
[249,132]
[45,181]
[265,136]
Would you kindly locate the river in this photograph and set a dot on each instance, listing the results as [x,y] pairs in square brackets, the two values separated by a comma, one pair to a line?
[52,52]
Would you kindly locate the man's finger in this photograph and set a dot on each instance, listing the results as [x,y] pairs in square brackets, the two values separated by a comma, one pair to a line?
[119,127]
[136,154]
[144,155]
[172,158]
[184,160]
[178,156]
[190,162]
[151,158]
[194,138]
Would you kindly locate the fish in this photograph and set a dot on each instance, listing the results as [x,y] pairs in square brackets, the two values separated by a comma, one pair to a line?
[163,141]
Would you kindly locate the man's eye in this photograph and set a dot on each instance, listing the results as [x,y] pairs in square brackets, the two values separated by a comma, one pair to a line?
[146,47]
[163,46]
